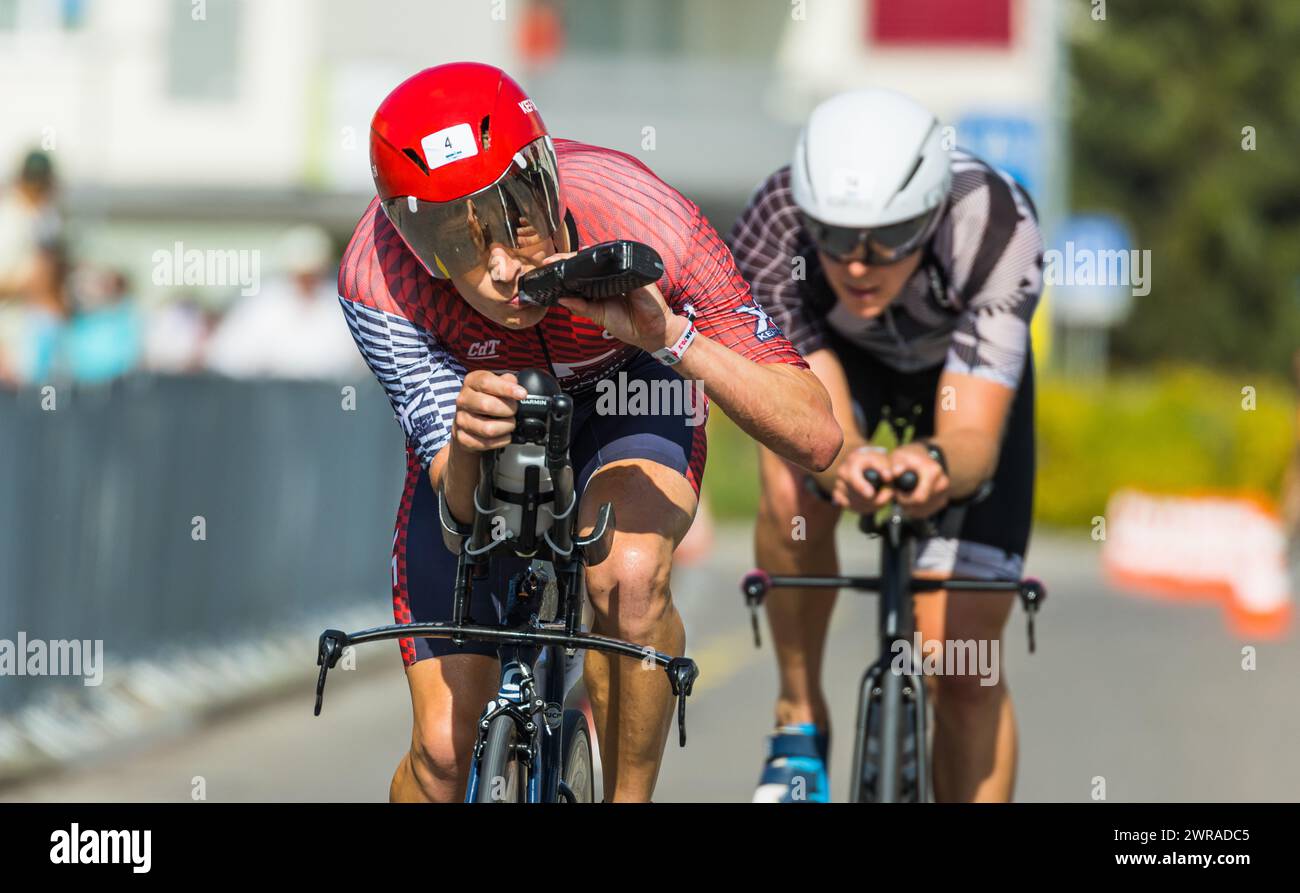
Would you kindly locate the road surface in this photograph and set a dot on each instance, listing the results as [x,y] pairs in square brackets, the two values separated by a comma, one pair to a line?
[1148,695]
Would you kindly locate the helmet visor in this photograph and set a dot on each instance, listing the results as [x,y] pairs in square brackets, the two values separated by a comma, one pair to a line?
[883,245]
[520,211]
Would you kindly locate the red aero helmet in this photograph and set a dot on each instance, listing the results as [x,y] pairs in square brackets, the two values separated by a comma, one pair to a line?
[462,161]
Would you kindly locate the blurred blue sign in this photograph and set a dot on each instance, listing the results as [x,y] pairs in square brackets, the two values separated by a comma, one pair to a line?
[1012,143]
[1094,271]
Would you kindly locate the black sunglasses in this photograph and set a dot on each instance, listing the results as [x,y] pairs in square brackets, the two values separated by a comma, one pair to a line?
[884,245]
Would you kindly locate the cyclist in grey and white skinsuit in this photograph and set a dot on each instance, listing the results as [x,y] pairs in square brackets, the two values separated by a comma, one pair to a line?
[907,276]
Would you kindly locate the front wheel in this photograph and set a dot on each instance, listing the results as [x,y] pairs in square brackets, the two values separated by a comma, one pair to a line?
[501,772]
[578,772]
[905,783]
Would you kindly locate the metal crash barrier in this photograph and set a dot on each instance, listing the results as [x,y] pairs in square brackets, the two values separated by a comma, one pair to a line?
[159,513]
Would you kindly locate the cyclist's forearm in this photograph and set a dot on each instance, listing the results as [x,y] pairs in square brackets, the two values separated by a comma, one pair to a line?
[459,468]
[969,430]
[782,407]
[852,440]
[972,457]
[830,371]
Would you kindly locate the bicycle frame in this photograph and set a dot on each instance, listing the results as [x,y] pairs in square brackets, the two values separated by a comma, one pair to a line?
[534,701]
[527,627]
[896,624]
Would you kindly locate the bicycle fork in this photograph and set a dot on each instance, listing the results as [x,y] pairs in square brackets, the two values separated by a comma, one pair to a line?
[891,695]
[533,697]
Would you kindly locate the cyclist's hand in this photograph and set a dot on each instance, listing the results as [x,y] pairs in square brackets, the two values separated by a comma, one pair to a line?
[641,317]
[485,411]
[851,490]
[932,487]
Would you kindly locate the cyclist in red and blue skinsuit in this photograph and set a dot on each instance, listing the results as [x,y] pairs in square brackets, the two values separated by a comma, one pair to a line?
[472,194]
[420,336]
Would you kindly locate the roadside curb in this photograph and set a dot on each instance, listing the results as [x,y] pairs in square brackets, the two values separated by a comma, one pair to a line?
[151,701]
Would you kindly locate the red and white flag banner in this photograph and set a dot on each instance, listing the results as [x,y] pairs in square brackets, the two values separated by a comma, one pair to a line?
[1195,547]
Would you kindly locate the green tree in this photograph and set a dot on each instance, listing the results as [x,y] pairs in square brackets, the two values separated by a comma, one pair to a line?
[1162,93]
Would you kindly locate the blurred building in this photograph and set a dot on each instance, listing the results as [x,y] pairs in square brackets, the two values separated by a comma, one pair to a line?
[227,120]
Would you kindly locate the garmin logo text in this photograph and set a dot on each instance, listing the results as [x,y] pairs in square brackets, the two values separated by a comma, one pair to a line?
[77,847]
[1104,267]
[57,657]
[211,267]
[661,396]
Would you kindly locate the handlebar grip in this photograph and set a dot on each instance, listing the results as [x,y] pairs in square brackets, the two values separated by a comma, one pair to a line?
[906,482]
[561,417]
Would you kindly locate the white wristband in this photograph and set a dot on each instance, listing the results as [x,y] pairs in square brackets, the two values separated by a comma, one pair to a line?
[671,356]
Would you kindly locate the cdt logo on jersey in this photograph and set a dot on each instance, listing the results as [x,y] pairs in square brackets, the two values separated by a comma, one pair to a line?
[764,328]
[482,350]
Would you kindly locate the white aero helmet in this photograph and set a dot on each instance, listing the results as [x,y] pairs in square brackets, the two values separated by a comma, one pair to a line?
[870,169]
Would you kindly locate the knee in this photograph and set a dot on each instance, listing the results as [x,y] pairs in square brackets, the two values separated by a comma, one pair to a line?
[974,684]
[630,588]
[967,635]
[441,752]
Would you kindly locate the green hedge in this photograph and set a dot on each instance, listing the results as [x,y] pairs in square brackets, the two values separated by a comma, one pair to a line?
[1175,430]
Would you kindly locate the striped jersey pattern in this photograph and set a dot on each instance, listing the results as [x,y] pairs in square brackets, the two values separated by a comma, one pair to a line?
[420,337]
[972,317]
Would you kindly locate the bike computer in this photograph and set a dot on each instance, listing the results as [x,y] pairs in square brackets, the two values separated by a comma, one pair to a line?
[601,271]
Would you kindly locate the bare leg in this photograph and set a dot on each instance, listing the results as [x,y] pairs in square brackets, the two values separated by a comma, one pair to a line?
[447,697]
[795,534]
[631,702]
[974,725]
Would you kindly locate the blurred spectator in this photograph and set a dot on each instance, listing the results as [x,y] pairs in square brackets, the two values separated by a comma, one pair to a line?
[45,313]
[104,338]
[176,335]
[32,272]
[293,327]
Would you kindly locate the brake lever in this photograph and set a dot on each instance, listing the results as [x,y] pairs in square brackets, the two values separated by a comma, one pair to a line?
[328,650]
[682,673]
[755,586]
[1032,594]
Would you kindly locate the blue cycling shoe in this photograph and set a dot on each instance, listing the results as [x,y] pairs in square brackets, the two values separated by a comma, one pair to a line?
[795,771]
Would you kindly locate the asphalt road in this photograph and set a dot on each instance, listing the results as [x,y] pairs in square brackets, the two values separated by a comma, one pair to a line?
[1149,695]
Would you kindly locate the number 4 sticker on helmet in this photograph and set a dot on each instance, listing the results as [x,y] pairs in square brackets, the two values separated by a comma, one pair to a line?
[448,145]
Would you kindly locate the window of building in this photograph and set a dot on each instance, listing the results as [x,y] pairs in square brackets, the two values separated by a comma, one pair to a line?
[203,49]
